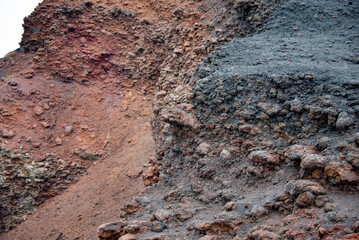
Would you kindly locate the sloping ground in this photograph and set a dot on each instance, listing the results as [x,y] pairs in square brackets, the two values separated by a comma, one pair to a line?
[99,194]
[84,64]
[55,131]
[266,145]
[258,141]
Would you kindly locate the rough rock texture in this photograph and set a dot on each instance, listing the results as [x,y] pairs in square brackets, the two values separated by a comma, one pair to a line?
[282,105]
[24,183]
[255,112]
[84,64]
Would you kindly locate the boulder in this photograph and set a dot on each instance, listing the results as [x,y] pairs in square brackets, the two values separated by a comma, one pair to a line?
[296,187]
[353,159]
[68,130]
[203,148]
[296,152]
[179,117]
[344,120]
[7,134]
[264,157]
[111,230]
[38,110]
[215,225]
[245,128]
[225,154]
[86,155]
[341,172]
[305,199]
[162,215]
[323,143]
[313,161]
[128,237]
[259,234]
[258,211]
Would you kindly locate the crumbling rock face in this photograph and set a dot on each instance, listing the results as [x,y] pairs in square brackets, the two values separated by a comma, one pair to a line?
[25,184]
[277,126]
[78,60]
[105,41]
[255,112]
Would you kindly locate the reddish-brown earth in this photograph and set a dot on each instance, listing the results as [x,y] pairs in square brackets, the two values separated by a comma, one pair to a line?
[80,92]
[108,183]
[105,97]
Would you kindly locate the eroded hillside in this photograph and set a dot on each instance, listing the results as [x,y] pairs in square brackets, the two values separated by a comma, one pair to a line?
[254,116]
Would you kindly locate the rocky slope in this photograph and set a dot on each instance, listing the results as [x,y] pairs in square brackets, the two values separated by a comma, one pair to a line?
[266,145]
[255,117]
[81,65]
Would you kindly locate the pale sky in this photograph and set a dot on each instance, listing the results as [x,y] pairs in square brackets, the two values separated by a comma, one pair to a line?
[12,13]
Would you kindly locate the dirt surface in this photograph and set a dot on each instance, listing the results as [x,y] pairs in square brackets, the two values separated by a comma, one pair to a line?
[264,144]
[57,131]
[239,116]
[75,74]
[102,190]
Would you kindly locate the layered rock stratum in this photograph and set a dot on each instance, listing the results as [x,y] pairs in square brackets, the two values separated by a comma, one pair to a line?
[254,119]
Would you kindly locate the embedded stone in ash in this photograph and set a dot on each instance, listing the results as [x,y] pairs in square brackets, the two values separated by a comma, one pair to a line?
[38,110]
[29,74]
[230,206]
[162,215]
[58,141]
[177,12]
[323,143]
[45,124]
[264,157]
[257,171]
[135,227]
[117,12]
[225,154]
[128,237]
[296,187]
[207,172]
[344,120]
[183,214]
[176,116]
[305,199]
[353,159]
[245,128]
[296,152]
[356,227]
[203,148]
[159,226]
[258,211]
[68,130]
[7,133]
[111,230]
[356,139]
[86,155]
[257,233]
[341,171]
[218,225]
[313,161]
[270,109]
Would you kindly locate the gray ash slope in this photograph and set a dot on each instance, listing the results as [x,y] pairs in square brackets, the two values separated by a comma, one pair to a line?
[301,70]
[321,38]
[267,146]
